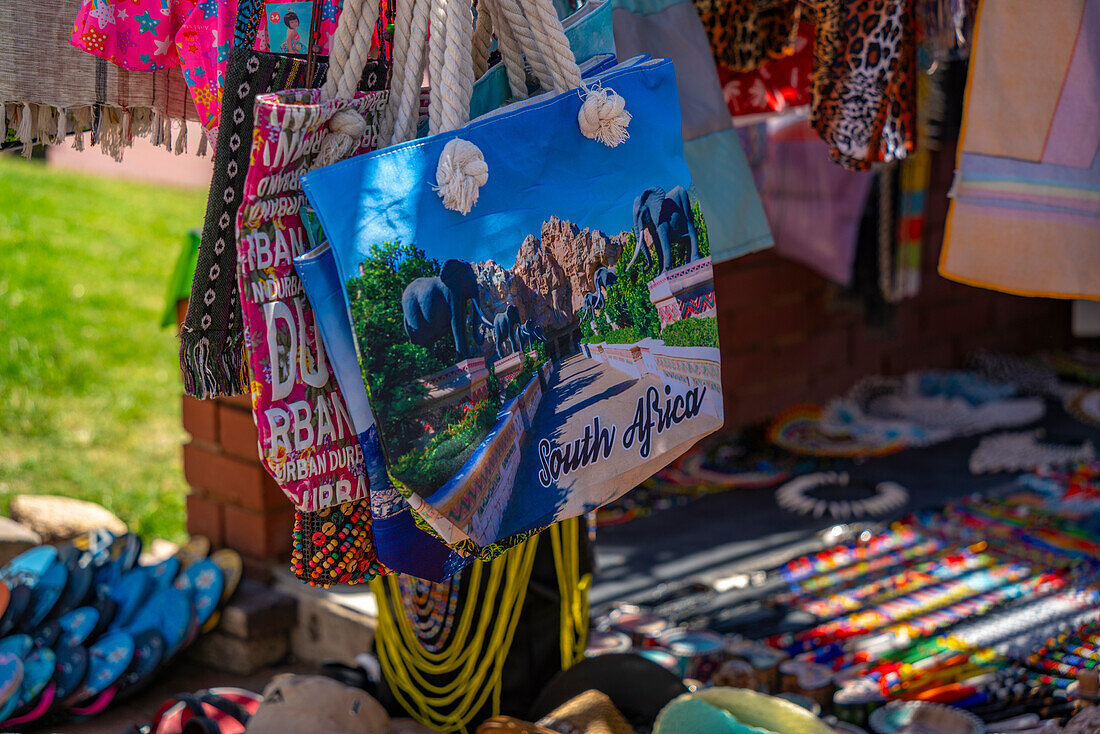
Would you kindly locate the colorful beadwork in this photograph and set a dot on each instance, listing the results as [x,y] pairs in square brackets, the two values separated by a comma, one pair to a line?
[334,546]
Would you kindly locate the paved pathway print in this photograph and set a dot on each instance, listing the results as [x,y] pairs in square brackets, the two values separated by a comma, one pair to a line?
[581,389]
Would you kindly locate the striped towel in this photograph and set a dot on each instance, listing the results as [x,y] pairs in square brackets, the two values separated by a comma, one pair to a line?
[1026,212]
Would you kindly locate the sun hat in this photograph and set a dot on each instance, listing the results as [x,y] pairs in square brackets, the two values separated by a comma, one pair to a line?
[736,711]
[314,704]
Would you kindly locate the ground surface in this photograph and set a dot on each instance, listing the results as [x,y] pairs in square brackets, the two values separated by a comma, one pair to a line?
[744,530]
[89,381]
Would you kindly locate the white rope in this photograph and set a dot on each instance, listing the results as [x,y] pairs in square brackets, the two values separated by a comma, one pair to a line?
[350,50]
[515,19]
[551,41]
[412,15]
[458,62]
[510,53]
[603,117]
[437,49]
[483,39]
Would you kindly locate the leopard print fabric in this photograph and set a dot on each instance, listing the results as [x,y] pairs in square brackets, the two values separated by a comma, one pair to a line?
[864,80]
[744,34]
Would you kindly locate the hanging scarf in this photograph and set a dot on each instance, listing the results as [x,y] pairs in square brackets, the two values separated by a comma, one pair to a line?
[864,81]
[49,89]
[745,34]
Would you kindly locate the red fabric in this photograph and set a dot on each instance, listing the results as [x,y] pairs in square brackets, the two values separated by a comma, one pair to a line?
[777,85]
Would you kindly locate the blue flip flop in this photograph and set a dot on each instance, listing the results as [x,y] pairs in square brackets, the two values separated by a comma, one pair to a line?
[38,671]
[72,669]
[51,584]
[125,551]
[18,645]
[168,612]
[78,627]
[77,591]
[88,550]
[207,581]
[18,603]
[26,567]
[47,634]
[149,652]
[11,677]
[165,572]
[108,659]
[130,593]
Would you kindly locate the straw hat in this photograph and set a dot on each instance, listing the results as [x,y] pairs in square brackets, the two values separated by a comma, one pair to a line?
[314,704]
[589,713]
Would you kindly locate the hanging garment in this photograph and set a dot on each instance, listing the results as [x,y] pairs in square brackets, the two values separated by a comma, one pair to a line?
[49,89]
[148,35]
[1025,217]
[720,175]
[814,207]
[776,85]
[864,80]
[477,435]
[211,336]
[746,34]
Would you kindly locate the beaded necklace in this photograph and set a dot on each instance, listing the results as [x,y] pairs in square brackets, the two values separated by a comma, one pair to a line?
[430,609]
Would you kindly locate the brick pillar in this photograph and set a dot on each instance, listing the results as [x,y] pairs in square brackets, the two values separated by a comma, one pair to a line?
[233,500]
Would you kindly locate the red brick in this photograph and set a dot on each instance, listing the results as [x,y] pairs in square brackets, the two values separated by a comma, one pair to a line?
[816,352]
[259,534]
[200,419]
[206,516]
[237,432]
[968,316]
[228,479]
[241,400]
[742,287]
[751,285]
[827,385]
[769,323]
[757,405]
[939,354]
[790,389]
[742,367]
[934,288]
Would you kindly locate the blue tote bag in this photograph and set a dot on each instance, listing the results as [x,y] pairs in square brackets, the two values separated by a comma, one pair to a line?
[401,544]
[530,294]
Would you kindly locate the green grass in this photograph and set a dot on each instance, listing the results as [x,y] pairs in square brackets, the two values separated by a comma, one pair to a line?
[89,383]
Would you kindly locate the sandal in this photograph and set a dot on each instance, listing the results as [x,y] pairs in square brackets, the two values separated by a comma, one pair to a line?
[216,711]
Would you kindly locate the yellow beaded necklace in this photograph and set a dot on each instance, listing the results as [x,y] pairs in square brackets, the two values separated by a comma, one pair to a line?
[474,664]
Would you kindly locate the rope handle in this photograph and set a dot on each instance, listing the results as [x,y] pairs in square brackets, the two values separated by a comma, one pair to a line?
[350,48]
[457,50]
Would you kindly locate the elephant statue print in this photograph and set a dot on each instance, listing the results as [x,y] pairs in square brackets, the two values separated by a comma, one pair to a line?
[669,219]
[433,306]
[592,301]
[529,333]
[604,279]
[506,325]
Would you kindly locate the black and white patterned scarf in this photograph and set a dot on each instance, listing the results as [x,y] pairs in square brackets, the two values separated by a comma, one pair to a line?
[211,339]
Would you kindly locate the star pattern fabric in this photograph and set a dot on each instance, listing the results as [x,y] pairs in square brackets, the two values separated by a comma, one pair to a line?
[158,34]
[147,23]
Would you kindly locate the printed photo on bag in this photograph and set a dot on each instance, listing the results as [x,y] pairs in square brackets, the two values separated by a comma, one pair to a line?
[288,27]
[507,392]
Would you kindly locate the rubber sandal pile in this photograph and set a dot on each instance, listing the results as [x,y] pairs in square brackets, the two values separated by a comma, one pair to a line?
[84,624]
